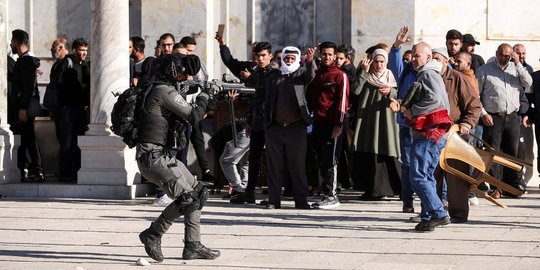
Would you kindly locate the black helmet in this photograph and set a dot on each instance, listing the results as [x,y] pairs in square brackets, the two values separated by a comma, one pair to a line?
[173,64]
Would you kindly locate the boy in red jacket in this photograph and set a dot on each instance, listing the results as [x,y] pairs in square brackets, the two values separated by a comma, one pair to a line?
[328,97]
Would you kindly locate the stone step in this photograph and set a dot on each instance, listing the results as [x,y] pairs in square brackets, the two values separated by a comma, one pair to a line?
[67,190]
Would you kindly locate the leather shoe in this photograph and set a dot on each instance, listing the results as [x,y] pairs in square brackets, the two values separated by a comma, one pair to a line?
[302,205]
[458,220]
[244,197]
[428,226]
[408,209]
[496,194]
[272,206]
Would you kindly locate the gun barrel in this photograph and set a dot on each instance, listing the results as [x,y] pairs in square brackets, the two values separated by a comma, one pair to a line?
[246,90]
[239,87]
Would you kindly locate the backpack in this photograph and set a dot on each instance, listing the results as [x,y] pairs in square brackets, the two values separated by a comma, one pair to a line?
[50,99]
[125,113]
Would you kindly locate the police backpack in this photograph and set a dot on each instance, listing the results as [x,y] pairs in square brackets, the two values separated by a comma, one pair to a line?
[125,112]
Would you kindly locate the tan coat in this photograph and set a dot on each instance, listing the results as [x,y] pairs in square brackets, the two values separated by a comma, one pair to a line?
[465,106]
[469,73]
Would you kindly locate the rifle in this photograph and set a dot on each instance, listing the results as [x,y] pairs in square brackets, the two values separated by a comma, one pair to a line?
[217,87]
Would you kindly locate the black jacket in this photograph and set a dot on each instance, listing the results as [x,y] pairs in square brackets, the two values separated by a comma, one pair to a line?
[257,80]
[350,70]
[301,77]
[233,64]
[74,83]
[25,80]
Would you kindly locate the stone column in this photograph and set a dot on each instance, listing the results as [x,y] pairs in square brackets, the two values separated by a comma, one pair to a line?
[105,159]
[9,143]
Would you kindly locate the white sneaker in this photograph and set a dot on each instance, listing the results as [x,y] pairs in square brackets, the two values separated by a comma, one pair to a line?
[473,201]
[415,219]
[162,201]
[326,202]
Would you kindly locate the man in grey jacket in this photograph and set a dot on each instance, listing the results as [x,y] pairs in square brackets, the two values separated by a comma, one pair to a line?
[428,140]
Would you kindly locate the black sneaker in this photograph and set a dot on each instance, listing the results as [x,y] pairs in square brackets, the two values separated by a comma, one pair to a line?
[244,197]
[482,186]
[428,226]
[152,244]
[196,250]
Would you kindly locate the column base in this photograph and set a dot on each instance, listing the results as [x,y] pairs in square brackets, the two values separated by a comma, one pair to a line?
[107,161]
[51,190]
[9,144]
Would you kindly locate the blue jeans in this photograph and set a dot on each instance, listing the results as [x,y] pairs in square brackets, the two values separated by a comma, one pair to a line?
[424,159]
[405,141]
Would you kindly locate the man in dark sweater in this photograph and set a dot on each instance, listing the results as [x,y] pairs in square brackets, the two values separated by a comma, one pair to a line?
[25,91]
[74,100]
[253,76]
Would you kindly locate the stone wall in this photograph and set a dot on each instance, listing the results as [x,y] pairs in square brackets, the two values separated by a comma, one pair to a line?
[282,22]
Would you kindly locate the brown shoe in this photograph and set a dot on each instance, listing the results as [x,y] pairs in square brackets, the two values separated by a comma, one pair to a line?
[408,209]
[496,194]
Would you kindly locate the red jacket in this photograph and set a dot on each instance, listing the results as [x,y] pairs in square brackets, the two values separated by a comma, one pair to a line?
[328,95]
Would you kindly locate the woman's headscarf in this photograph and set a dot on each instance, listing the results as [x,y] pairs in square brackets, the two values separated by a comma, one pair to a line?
[383,78]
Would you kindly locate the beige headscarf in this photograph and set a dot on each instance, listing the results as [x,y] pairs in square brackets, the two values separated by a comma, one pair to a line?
[383,78]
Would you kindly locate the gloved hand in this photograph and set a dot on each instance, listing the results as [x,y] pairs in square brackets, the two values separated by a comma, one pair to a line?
[208,92]
[202,194]
[212,104]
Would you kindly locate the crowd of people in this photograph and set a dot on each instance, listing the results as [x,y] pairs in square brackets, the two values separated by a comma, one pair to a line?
[323,123]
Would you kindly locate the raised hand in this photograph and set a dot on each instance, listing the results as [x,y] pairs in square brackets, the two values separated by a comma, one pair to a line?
[310,52]
[402,37]
[365,64]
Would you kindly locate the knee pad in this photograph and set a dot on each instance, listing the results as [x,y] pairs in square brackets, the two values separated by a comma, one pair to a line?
[187,202]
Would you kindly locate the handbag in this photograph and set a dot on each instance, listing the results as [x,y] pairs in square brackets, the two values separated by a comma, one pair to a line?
[34,109]
[50,100]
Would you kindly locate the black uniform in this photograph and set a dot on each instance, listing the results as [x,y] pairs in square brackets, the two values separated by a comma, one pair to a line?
[155,160]
[161,119]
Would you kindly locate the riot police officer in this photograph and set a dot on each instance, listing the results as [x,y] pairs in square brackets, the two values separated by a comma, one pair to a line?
[162,116]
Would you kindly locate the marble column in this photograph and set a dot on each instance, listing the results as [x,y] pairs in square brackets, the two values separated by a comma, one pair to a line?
[9,143]
[105,159]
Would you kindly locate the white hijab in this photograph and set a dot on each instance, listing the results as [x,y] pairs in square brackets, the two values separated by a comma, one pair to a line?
[383,78]
[289,50]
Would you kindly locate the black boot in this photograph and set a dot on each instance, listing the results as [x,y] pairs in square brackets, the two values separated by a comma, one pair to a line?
[152,244]
[196,250]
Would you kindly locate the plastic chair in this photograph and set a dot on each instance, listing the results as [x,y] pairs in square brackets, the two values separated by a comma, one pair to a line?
[480,159]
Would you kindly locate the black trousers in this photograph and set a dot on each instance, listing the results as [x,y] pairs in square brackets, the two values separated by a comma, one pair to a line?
[328,151]
[73,122]
[28,152]
[197,139]
[286,144]
[504,136]
[526,151]
[256,147]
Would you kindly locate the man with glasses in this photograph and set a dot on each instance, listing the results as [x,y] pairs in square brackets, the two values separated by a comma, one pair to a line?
[500,83]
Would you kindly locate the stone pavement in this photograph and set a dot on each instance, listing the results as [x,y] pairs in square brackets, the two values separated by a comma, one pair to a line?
[103,234]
